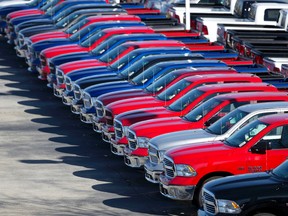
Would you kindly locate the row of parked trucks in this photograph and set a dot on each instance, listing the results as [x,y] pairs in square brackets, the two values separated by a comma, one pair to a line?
[188,106]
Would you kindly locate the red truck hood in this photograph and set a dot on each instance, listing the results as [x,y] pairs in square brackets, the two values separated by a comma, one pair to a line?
[155,127]
[66,49]
[53,51]
[130,104]
[48,35]
[195,153]
[135,116]
[113,97]
[81,64]
[22,13]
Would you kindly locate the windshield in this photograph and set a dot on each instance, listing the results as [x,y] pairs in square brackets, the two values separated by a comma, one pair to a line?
[224,124]
[161,83]
[113,54]
[245,134]
[252,12]
[200,111]
[63,14]
[184,101]
[54,10]
[103,47]
[138,66]
[68,19]
[146,75]
[49,5]
[282,170]
[83,32]
[90,40]
[76,27]
[34,3]
[174,90]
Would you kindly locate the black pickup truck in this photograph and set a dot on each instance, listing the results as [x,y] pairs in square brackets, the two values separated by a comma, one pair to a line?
[257,194]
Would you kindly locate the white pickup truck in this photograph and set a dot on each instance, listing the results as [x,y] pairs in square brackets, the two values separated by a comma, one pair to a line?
[225,32]
[177,9]
[259,14]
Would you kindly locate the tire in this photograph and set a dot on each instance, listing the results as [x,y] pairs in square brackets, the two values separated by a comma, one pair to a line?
[264,214]
[197,200]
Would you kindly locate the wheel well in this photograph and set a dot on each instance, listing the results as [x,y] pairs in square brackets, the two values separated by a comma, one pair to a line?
[264,208]
[201,182]
[204,178]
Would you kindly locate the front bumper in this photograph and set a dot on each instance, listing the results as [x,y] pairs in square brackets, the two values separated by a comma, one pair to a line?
[76,106]
[58,92]
[66,98]
[86,117]
[152,172]
[176,192]
[97,125]
[201,212]
[117,149]
[133,160]
[20,52]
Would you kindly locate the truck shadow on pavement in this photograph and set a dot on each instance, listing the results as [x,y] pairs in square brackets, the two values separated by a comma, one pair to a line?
[84,147]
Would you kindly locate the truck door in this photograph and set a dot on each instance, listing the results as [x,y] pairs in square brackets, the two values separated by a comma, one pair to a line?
[274,150]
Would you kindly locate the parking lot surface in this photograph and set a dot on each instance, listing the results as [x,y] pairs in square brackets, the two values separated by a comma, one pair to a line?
[52,164]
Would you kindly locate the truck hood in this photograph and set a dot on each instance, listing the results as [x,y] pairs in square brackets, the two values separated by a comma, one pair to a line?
[179,138]
[47,36]
[197,153]
[244,186]
[156,127]
[112,86]
[20,13]
[133,104]
[131,117]
[82,73]
[90,83]
[75,65]
[112,97]
[52,51]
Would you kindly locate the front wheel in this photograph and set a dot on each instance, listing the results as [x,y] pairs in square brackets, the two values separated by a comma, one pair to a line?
[197,199]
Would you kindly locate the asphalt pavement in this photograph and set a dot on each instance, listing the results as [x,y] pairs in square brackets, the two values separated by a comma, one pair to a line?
[53,164]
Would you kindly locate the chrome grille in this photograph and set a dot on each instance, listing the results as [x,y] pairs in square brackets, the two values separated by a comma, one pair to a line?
[109,117]
[132,140]
[20,40]
[118,129]
[153,156]
[43,60]
[209,202]
[52,68]
[68,83]
[60,76]
[100,111]
[77,92]
[168,167]
[87,100]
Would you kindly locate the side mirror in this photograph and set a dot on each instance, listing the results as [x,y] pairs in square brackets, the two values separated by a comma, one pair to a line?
[261,147]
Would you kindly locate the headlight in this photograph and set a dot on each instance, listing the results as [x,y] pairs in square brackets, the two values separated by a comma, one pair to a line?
[125,130]
[143,142]
[185,170]
[228,206]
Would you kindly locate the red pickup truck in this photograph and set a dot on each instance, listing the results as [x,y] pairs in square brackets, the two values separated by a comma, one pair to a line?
[152,90]
[259,146]
[179,108]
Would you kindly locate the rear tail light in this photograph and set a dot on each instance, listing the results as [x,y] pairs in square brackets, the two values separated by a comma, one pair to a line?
[271,67]
[257,59]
